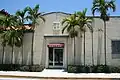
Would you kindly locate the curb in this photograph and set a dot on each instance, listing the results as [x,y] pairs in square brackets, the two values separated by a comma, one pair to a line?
[35,77]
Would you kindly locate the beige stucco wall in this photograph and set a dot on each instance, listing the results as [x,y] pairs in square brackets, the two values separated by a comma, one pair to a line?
[27,40]
[112,34]
[46,29]
[40,43]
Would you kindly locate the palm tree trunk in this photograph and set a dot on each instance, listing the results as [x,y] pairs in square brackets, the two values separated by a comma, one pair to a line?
[3,54]
[22,51]
[22,54]
[84,48]
[22,44]
[74,51]
[32,49]
[22,41]
[92,50]
[12,56]
[81,47]
[105,40]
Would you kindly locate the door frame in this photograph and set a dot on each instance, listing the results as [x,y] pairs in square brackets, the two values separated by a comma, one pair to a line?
[54,66]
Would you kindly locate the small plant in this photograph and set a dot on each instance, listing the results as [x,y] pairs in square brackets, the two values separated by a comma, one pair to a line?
[78,69]
[87,69]
[115,69]
[9,67]
[83,69]
[36,68]
[18,67]
[101,69]
[25,68]
[33,68]
[72,69]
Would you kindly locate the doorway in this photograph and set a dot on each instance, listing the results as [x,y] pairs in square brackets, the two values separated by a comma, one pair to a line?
[55,57]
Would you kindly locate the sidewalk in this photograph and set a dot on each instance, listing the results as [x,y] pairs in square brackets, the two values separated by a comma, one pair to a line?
[57,74]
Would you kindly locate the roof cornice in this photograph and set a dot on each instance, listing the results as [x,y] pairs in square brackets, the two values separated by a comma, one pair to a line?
[55,12]
[118,16]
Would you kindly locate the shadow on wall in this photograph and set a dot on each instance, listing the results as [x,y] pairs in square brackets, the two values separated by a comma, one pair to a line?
[8,54]
[99,50]
[42,56]
[27,48]
[17,55]
[1,52]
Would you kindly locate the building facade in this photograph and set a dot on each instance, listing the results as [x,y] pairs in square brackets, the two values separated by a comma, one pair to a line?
[56,50]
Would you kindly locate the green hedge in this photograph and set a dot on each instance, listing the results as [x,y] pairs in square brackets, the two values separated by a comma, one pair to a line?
[92,69]
[100,69]
[115,69]
[17,67]
[78,69]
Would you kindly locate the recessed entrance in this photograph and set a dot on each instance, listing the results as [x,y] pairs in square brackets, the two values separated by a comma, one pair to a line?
[55,57]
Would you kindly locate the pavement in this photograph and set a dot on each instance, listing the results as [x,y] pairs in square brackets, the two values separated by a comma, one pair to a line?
[55,74]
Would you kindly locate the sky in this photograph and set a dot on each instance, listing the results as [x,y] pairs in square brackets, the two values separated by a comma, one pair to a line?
[68,6]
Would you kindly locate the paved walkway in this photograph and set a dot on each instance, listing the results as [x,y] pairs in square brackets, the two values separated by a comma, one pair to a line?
[56,74]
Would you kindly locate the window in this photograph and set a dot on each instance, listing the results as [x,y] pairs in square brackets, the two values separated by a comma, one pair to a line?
[116,49]
[56,25]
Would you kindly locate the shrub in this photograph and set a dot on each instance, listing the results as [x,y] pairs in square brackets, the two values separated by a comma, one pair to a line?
[9,67]
[100,69]
[83,69]
[72,69]
[18,67]
[88,69]
[33,68]
[36,68]
[115,69]
[78,69]
[25,68]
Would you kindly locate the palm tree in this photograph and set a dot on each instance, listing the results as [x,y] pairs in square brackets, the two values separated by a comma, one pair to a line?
[3,18]
[6,21]
[33,15]
[15,38]
[83,23]
[3,43]
[21,15]
[70,24]
[103,6]
[10,34]
[3,47]
[9,23]
[12,38]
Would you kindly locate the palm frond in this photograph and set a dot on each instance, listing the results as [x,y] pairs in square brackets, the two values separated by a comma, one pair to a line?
[33,14]
[36,9]
[84,11]
[43,19]
[69,25]
[64,28]
[95,10]
[111,5]
[66,20]
[102,6]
